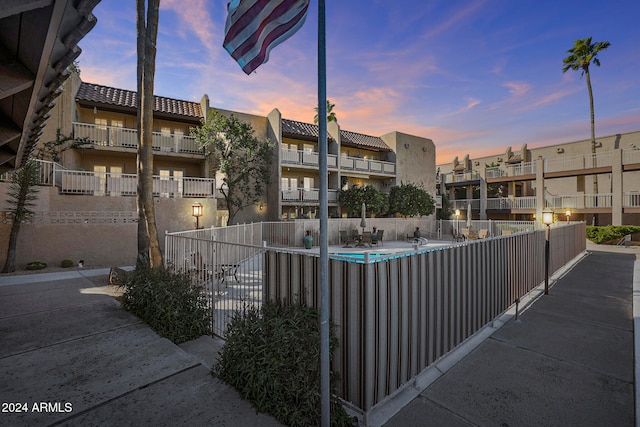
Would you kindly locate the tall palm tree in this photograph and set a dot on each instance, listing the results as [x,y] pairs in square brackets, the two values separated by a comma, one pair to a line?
[581,55]
[147,31]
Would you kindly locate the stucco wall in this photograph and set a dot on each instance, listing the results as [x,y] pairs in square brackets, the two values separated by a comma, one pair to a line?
[100,230]
[415,159]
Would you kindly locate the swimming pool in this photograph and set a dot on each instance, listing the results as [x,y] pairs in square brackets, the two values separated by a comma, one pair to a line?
[361,256]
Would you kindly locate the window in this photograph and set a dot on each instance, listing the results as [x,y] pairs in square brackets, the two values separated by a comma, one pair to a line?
[170,184]
[101,135]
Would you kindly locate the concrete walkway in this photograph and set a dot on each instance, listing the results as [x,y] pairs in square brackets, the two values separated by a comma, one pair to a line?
[71,355]
[567,361]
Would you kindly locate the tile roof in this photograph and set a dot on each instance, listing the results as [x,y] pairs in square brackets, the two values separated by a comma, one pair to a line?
[126,98]
[292,127]
[361,140]
[307,130]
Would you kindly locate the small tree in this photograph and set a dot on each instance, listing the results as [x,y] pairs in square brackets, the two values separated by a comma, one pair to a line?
[410,200]
[52,150]
[243,159]
[352,199]
[20,198]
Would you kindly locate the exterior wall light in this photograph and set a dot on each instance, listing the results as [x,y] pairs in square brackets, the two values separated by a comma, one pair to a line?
[196,211]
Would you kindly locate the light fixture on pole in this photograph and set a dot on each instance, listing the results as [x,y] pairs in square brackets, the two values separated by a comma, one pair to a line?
[457,223]
[568,214]
[547,219]
[196,210]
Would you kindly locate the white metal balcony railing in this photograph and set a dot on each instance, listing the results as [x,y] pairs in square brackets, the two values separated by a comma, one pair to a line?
[306,158]
[498,203]
[119,184]
[452,178]
[631,200]
[518,169]
[583,161]
[462,204]
[630,156]
[108,136]
[369,166]
[307,195]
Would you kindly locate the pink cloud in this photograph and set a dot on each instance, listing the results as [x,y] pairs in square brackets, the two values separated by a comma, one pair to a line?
[196,18]
[518,88]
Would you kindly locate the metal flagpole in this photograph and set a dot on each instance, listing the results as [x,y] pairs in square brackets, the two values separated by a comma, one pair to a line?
[325,391]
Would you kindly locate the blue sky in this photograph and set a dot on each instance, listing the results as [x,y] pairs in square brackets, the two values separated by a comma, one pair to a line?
[475,76]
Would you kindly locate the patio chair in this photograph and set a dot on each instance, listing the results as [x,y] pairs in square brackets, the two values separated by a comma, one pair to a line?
[482,234]
[506,232]
[378,238]
[366,238]
[345,238]
[465,233]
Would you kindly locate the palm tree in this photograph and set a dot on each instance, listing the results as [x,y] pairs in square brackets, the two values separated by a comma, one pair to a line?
[581,55]
[331,116]
[147,31]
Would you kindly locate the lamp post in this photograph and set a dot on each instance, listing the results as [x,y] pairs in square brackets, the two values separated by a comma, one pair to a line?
[196,210]
[547,219]
[457,224]
[568,214]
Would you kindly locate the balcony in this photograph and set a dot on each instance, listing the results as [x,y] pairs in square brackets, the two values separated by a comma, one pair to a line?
[630,157]
[457,178]
[309,196]
[631,199]
[119,184]
[584,161]
[512,171]
[512,203]
[358,164]
[463,203]
[306,158]
[108,136]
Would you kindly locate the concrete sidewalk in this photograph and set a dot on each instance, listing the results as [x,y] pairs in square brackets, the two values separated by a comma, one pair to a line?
[568,360]
[75,357]
[71,355]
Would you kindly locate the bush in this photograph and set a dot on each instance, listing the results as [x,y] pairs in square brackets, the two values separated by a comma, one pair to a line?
[610,232]
[66,263]
[36,265]
[168,302]
[272,357]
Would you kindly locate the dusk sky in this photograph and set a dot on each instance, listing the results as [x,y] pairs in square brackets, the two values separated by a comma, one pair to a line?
[475,76]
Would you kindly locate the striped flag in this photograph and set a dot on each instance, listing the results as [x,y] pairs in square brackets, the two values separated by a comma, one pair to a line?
[254,27]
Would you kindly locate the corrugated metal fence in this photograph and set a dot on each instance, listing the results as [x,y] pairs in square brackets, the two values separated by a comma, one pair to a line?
[394,315]
[397,316]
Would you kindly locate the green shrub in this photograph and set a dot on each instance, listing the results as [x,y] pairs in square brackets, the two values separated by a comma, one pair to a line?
[272,357]
[36,265]
[66,263]
[610,232]
[168,302]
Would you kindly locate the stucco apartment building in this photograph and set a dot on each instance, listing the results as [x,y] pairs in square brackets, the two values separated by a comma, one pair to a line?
[601,188]
[95,184]
[106,117]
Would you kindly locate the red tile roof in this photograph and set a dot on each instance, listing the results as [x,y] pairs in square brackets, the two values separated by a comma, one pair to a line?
[125,98]
[309,131]
[361,140]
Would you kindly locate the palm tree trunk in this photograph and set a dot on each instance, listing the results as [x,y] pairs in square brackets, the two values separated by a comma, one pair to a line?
[10,263]
[148,244]
[593,131]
